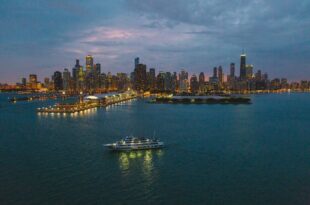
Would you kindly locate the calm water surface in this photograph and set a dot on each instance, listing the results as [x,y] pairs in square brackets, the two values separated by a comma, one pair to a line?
[215,154]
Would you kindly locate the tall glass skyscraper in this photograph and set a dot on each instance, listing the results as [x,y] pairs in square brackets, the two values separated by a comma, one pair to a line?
[243,66]
[89,63]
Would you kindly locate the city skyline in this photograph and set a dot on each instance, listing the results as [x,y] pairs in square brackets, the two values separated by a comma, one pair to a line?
[208,72]
[91,79]
[41,36]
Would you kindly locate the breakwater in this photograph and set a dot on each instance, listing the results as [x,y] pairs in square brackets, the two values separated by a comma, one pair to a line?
[201,100]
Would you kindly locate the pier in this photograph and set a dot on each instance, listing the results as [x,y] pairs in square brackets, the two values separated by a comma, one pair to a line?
[89,102]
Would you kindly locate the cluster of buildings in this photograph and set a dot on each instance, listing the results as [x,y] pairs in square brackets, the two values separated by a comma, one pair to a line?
[90,79]
[143,80]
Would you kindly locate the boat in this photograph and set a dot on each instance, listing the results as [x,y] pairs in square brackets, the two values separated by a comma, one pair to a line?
[130,143]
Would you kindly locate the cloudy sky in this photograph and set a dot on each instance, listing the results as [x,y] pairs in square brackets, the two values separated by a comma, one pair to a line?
[41,36]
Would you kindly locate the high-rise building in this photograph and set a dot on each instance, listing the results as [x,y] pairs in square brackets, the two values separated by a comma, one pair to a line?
[174,82]
[265,77]
[122,81]
[24,81]
[102,80]
[97,68]
[58,82]
[215,72]
[232,70]
[80,79]
[160,81]
[201,82]
[243,66]
[258,75]
[96,76]
[66,79]
[220,75]
[33,80]
[47,82]
[249,71]
[152,79]
[183,81]
[75,74]
[284,83]
[137,61]
[168,82]
[140,77]
[89,64]
[194,84]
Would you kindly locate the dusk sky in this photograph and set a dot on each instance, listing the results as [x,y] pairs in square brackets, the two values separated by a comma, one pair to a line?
[42,36]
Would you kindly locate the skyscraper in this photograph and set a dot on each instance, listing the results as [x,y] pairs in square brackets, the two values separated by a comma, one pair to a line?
[24,81]
[58,82]
[201,82]
[75,74]
[160,81]
[194,84]
[46,82]
[137,61]
[66,79]
[243,66]
[174,83]
[258,75]
[183,81]
[215,72]
[220,74]
[232,70]
[89,64]
[168,81]
[249,71]
[152,79]
[97,69]
[33,80]
[140,77]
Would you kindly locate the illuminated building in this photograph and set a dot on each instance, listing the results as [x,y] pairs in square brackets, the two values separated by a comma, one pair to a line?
[258,75]
[81,79]
[89,64]
[33,81]
[168,82]
[24,81]
[152,79]
[46,82]
[140,83]
[232,70]
[243,66]
[183,81]
[58,81]
[75,74]
[122,81]
[174,82]
[201,82]
[220,75]
[215,72]
[249,71]
[160,81]
[66,79]
[284,83]
[194,85]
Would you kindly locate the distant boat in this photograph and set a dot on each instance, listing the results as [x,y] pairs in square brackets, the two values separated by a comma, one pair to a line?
[135,143]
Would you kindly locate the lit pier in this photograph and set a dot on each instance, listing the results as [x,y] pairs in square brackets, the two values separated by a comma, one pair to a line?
[89,102]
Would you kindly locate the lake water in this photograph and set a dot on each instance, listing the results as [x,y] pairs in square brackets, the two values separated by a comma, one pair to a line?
[215,154]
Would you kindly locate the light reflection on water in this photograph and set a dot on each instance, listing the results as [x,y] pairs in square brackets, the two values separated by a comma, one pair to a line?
[141,158]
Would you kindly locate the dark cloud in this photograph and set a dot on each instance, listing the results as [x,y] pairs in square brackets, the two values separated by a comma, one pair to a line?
[174,34]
